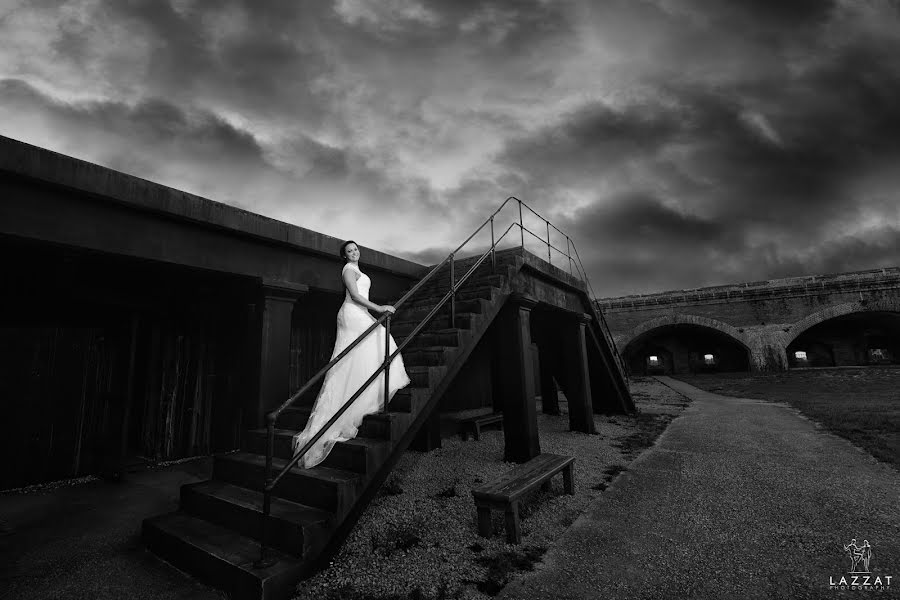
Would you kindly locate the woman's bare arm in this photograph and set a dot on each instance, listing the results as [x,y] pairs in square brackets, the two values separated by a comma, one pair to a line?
[350,281]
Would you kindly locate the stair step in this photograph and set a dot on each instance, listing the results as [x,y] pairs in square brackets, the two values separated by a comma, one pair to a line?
[322,487]
[427,356]
[293,528]
[221,557]
[423,378]
[483,271]
[432,299]
[448,338]
[441,321]
[434,286]
[417,313]
[389,425]
[411,399]
[359,455]
[379,426]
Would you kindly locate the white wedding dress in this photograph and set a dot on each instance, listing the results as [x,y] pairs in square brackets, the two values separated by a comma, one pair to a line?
[348,375]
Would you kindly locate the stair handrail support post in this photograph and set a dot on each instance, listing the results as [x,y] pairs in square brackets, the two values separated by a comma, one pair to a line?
[604,326]
[452,291]
[493,246]
[265,560]
[549,259]
[521,227]
[387,363]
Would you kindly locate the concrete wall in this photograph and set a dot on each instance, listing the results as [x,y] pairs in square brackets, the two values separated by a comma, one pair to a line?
[156,278]
[58,199]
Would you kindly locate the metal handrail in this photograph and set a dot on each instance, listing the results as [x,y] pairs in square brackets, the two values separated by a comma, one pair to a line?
[384,367]
[604,325]
[271,417]
[579,265]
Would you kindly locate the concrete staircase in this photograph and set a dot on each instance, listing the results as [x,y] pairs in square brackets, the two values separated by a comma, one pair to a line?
[215,533]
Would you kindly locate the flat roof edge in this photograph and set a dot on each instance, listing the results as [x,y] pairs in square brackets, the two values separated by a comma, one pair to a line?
[27,160]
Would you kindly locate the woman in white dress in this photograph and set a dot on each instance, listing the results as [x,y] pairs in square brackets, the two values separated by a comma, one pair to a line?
[348,375]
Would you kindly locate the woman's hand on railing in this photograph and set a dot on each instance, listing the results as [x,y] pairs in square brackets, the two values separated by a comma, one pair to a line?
[387,308]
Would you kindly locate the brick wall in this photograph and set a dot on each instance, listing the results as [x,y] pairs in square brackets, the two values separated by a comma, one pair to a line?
[763,316]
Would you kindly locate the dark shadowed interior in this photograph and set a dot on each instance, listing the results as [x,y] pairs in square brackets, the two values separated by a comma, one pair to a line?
[869,338]
[684,348]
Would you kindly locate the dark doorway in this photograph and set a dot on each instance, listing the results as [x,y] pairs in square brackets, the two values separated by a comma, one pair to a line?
[858,339]
[685,348]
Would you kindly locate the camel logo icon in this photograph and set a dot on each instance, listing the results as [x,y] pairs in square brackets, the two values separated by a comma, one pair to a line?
[859,554]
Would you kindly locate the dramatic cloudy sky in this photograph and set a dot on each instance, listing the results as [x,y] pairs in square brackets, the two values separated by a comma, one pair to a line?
[680,143]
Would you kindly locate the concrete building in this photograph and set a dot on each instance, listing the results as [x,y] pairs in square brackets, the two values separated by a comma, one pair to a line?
[142,323]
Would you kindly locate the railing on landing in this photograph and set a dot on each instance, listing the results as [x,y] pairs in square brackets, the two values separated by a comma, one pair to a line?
[272,417]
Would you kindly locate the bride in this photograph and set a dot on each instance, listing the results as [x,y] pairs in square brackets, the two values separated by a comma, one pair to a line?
[348,375]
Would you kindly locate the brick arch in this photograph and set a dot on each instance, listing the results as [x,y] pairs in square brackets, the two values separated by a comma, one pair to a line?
[680,319]
[838,310]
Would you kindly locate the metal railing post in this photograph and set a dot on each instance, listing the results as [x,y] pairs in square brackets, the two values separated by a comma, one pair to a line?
[521,226]
[264,559]
[387,362]
[549,260]
[452,292]
[569,254]
[493,255]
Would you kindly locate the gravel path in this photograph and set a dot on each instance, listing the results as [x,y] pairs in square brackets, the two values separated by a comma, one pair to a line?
[420,533]
[738,499]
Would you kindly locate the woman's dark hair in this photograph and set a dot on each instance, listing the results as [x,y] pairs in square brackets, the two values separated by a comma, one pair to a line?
[344,247]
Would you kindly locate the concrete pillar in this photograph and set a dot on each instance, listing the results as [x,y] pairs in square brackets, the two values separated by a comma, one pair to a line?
[515,380]
[768,349]
[275,346]
[578,390]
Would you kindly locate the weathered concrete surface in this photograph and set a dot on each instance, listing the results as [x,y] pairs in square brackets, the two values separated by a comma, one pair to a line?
[763,316]
[738,499]
[50,197]
[85,542]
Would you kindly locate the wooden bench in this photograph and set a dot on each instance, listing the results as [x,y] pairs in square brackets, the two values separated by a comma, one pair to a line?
[507,491]
[475,423]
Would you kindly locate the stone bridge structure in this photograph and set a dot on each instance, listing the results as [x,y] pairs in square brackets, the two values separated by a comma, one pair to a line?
[815,321]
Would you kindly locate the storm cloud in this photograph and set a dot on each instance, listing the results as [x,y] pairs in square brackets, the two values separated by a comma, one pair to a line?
[679,143]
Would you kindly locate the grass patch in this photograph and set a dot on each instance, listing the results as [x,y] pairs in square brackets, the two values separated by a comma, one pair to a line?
[861,405]
[392,486]
[609,473]
[649,427]
[396,538]
[502,565]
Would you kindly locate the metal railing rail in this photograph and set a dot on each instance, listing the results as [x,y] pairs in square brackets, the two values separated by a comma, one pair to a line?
[579,265]
[595,305]
[271,418]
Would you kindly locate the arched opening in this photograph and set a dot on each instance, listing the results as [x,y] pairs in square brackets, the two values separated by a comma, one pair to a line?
[685,348]
[856,339]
